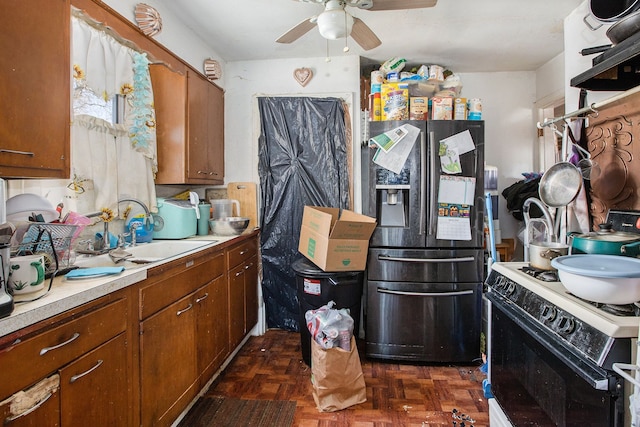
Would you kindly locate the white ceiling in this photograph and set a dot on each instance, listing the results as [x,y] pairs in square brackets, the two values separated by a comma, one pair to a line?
[462,35]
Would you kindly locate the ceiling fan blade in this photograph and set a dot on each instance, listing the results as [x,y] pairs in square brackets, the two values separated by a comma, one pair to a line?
[296,32]
[363,35]
[402,4]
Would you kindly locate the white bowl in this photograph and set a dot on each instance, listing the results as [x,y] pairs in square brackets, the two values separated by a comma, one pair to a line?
[22,206]
[607,279]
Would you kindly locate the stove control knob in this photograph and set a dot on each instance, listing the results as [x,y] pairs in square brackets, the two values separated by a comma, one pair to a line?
[566,325]
[511,289]
[548,313]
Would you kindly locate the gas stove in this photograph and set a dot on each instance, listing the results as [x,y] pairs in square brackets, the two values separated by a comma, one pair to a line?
[603,334]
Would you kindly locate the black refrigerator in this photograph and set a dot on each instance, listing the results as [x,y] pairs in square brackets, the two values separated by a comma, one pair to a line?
[426,259]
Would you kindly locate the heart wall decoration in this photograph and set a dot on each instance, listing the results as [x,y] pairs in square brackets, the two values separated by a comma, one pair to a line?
[303,76]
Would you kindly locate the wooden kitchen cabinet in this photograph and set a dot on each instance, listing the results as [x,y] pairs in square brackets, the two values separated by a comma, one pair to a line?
[83,369]
[212,330]
[177,306]
[242,261]
[167,361]
[190,127]
[94,387]
[35,88]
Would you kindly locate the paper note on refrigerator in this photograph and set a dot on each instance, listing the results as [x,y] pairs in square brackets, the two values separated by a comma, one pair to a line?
[453,222]
[462,142]
[457,189]
[388,140]
[450,161]
[395,159]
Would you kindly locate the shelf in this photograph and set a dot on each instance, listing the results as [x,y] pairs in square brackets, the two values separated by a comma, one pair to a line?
[616,69]
[505,249]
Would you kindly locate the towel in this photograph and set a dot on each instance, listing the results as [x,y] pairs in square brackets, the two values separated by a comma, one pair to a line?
[91,272]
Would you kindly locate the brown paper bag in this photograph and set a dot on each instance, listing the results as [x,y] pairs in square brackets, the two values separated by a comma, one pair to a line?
[337,377]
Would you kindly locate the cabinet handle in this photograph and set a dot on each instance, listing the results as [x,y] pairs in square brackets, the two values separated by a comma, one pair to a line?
[62,344]
[182,311]
[204,173]
[28,411]
[213,173]
[202,298]
[77,377]
[248,266]
[23,153]
[244,251]
[239,273]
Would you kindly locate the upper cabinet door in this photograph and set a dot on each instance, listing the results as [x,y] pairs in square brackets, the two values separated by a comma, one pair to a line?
[35,88]
[190,127]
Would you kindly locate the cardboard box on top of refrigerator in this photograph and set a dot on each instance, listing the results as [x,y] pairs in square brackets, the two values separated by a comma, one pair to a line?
[334,241]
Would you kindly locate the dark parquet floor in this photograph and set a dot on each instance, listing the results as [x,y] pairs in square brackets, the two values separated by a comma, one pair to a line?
[271,367]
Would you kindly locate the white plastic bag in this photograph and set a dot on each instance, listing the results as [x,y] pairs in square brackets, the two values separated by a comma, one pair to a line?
[330,327]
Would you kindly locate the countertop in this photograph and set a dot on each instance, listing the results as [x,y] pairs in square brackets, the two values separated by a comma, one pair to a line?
[66,294]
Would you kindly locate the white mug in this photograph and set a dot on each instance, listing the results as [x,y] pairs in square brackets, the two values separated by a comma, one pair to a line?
[26,274]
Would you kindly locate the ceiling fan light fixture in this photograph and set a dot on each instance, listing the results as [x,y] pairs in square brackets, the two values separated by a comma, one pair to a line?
[335,24]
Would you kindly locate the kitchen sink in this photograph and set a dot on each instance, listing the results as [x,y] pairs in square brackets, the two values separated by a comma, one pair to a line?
[146,253]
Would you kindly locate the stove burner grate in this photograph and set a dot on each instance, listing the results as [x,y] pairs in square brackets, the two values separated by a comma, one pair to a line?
[623,310]
[543,275]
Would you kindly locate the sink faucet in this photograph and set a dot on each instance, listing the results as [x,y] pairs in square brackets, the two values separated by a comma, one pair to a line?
[105,244]
[148,218]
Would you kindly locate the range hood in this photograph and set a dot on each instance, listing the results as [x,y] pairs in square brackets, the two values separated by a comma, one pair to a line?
[616,69]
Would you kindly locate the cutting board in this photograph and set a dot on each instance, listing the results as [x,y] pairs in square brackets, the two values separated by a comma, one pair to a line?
[247,194]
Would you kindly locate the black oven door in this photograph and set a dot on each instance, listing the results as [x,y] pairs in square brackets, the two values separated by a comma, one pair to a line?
[538,382]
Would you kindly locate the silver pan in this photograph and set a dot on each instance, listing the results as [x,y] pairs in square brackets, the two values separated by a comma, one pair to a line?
[624,28]
[560,185]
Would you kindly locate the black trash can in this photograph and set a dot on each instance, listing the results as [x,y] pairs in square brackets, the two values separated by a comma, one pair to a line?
[316,288]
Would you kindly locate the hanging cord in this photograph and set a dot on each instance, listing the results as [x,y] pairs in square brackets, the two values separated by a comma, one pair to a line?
[328,58]
[346,36]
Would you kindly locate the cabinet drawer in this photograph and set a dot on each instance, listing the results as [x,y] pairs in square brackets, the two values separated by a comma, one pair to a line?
[242,252]
[37,406]
[38,356]
[192,274]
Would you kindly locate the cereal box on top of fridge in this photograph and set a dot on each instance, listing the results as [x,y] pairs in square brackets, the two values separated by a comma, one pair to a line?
[394,100]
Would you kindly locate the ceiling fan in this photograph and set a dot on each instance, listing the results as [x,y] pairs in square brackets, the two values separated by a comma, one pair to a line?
[335,22]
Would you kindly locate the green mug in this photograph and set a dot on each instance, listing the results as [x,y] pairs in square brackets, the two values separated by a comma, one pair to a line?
[26,274]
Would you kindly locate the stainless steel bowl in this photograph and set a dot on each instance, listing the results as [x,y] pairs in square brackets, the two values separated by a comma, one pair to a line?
[228,226]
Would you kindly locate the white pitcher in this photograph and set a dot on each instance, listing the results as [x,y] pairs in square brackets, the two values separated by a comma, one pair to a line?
[223,208]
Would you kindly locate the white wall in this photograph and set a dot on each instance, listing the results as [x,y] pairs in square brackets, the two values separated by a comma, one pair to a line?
[550,81]
[248,79]
[175,35]
[510,133]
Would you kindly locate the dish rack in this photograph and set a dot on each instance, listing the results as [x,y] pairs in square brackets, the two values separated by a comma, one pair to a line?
[53,241]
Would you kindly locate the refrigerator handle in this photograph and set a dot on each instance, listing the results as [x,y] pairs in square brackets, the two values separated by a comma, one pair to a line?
[433,192]
[425,294]
[426,260]
[423,184]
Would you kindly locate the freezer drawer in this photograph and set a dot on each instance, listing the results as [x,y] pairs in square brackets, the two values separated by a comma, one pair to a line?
[426,265]
[426,322]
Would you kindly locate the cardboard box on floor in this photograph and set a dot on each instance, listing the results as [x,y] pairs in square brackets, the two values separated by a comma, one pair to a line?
[335,242]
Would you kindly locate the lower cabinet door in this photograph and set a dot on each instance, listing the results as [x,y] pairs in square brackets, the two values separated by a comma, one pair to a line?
[168,362]
[236,306]
[211,326]
[95,389]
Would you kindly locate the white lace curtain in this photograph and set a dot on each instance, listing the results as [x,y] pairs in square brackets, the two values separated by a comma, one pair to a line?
[119,159]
